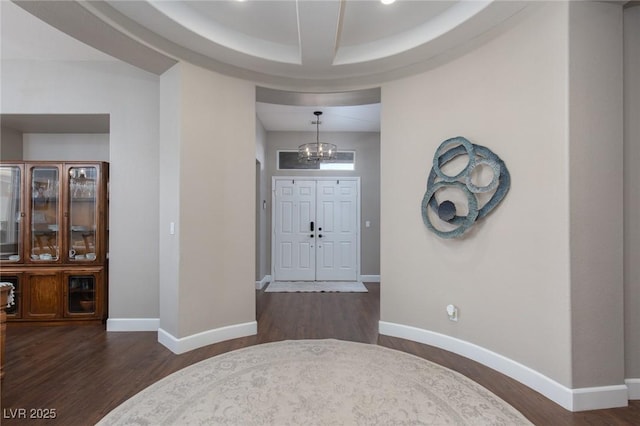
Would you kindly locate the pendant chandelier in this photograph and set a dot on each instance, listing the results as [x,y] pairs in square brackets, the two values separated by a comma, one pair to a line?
[317,151]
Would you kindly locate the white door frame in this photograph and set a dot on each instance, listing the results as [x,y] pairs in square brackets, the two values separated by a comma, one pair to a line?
[315,178]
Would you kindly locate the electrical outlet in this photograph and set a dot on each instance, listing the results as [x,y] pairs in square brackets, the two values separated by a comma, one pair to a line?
[452,312]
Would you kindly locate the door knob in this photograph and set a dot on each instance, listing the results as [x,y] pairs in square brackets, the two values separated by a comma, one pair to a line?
[319,235]
[311,235]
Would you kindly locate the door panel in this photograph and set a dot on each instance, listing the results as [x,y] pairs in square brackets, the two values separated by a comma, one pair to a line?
[305,256]
[286,254]
[326,260]
[294,240]
[286,217]
[337,223]
[346,250]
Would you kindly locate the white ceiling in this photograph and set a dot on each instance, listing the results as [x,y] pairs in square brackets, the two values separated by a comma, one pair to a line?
[357,118]
[310,46]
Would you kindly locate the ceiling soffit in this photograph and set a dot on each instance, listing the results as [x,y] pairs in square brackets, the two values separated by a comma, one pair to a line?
[294,44]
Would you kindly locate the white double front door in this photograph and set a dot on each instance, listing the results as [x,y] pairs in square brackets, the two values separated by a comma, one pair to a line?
[315,229]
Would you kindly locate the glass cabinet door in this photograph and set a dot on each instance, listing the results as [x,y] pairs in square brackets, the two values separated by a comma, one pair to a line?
[10,213]
[45,213]
[81,292]
[83,213]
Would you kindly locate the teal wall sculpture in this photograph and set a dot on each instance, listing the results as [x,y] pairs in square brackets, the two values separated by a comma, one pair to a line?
[446,209]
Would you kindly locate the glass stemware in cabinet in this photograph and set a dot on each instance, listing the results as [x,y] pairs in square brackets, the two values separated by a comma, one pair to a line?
[82,213]
[10,213]
[45,220]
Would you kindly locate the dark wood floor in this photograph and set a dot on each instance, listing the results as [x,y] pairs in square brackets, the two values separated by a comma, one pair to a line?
[84,372]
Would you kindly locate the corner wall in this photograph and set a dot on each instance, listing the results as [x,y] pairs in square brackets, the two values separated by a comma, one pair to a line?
[596,197]
[212,296]
[632,196]
[169,204]
[262,195]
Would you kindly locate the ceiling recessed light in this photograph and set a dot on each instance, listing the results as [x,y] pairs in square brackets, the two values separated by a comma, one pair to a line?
[387,1]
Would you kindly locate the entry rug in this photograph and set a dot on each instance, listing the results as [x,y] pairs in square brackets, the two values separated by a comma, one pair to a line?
[316,287]
[315,382]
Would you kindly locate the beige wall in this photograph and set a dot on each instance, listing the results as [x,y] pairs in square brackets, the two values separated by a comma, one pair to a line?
[262,194]
[510,275]
[169,199]
[596,193]
[66,146]
[632,190]
[10,144]
[215,137]
[367,147]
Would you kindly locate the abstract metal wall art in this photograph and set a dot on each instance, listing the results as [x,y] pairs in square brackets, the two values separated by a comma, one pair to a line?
[445,210]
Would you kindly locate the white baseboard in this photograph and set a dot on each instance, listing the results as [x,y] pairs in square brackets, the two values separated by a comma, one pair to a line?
[370,278]
[600,397]
[634,388]
[133,324]
[264,281]
[209,337]
[570,399]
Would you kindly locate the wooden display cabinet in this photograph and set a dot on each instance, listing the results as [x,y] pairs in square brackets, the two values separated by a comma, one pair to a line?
[53,239]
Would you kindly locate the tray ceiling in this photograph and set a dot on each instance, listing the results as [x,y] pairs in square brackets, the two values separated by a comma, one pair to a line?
[302,45]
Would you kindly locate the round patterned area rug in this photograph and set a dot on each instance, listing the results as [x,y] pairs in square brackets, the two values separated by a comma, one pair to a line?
[315,382]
